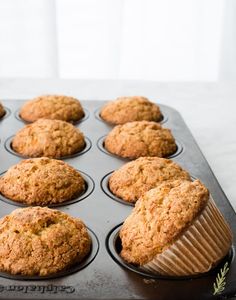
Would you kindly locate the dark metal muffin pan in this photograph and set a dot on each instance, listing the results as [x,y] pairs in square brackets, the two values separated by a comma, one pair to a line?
[107,276]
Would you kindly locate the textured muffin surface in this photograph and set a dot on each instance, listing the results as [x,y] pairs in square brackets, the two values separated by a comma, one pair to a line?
[41,181]
[143,138]
[128,109]
[52,107]
[159,217]
[41,241]
[51,138]
[2,111]
[137,177]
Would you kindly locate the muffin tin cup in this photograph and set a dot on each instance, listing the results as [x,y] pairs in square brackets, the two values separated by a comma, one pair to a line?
[98,117]
[8,147]
[85,117]
[114,247]
[73,269]
[89,183]
[101,142]
[198,249]
[6,114]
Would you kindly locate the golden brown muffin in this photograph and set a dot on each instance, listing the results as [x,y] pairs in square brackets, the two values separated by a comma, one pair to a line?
[128,109]
[175,229]
[2,110]
[143,138]
[41,181]
[41,241]
[137,177]
[52,107]
[51,138]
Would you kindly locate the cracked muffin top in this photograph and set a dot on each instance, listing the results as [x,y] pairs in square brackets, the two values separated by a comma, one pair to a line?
[52,107]
[137,177]
[41,181]
[159,217]
[41,241]
[128,109]
[51,138]
[141,138]
[2,111]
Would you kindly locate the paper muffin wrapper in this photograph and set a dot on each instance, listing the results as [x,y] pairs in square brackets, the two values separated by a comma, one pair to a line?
[198,249]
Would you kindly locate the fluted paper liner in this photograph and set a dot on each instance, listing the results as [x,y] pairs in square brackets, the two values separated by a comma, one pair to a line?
[198,249]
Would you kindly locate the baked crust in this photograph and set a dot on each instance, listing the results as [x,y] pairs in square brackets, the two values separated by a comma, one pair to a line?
[159,218]
[41,241]
[141,138]
[41,181]
[55,107]
[51,138]
[128,109]
[137,177]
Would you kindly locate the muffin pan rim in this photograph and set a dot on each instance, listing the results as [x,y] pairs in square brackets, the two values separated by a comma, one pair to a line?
[8,147]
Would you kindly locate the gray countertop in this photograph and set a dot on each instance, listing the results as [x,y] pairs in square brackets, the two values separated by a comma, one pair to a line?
[209,110]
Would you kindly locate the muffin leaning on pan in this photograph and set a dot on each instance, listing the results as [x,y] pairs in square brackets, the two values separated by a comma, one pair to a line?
[175,229]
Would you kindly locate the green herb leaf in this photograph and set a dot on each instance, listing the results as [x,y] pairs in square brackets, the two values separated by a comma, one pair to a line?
[220,283]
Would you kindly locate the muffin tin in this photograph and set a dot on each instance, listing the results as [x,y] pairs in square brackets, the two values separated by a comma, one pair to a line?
[104,275]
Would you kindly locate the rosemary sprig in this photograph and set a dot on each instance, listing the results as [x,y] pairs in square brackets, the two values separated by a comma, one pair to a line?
[220,283]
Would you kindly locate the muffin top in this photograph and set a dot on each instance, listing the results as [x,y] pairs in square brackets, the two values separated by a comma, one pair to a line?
[51,138]
[143,138]
[41,241]
[137,177]
[159,217]
[128,109]
[52,107]
[41,181]
[2,111]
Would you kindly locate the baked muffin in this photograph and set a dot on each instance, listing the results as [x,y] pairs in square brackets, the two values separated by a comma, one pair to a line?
[175,229]
[52,107]
[41,181]
[137,177]
[51,138]
[143,138]
[128,109]
[2,110]
[41,241]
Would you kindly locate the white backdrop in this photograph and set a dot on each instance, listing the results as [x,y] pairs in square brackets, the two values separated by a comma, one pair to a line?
[118,39]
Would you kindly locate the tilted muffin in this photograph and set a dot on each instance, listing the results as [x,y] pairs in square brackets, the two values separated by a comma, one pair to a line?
[143,138]
[175,229]
[2,110]
[137,177]
[41,181]
[128,109]
[52,107]
[51,138]
[41,241]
